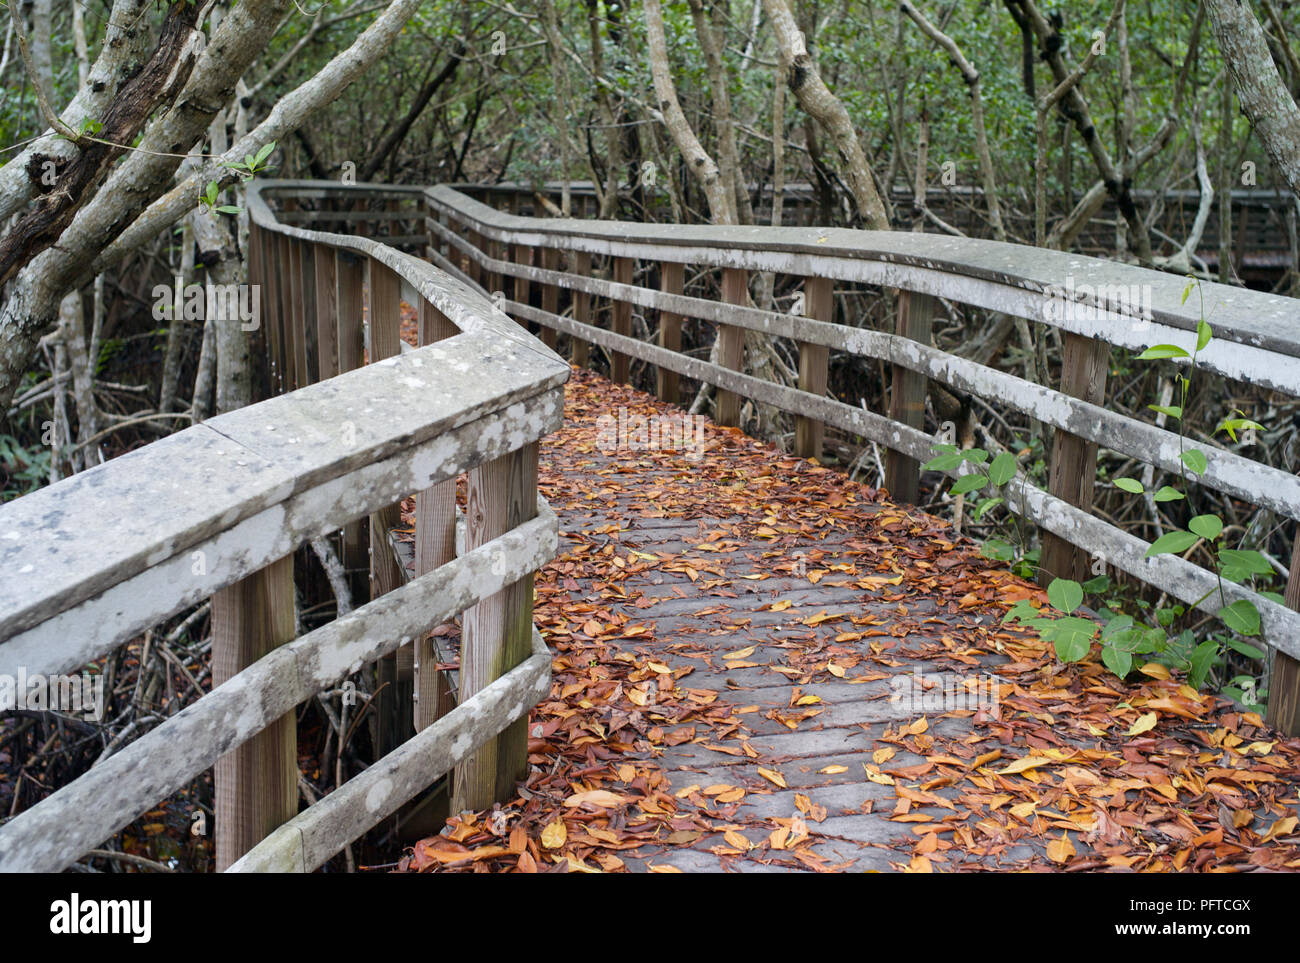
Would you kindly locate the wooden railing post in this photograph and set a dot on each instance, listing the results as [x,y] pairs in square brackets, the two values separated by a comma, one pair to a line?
[308,312]
[1072,469]
[818,304]
[256,782]
[1284,678]
[667,383]
[472,268]
[349,272]
[907,396]
[621,319]
[497,633]
[327,311]
[550,295]
[731,343]
[296,319]
[521,254]
[578,347]
[285,332]
[271,320]
[494,282]
[394,704]
[435,545]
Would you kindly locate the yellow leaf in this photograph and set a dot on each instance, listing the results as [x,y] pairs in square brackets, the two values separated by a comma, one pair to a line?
[1023,810]
[595,797]
[1155,670]
[1145,723]
[742,654]
[808,700]
[1023,764]
[833,770]
[735,839]
[773,776]
[835,670]
[883,755]
[554,835]
[1283,827]
[781,606]
[1060,850]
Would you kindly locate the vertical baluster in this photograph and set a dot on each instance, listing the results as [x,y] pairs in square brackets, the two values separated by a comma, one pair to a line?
[907,395]
[270,305]
[327,310]
[308,321]
[285,330]
[473,269]
[819,304]
[579,347]
[493,284]
[1284,679]
[257,782]
[731,343]
[497,633]
[435,545]
[1072,469]
[521,254]
[621,318]
[667,383]
[297,322]
[550,294]
[349,272]
[395,712]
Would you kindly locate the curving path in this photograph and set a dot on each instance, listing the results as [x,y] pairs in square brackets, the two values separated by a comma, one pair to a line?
[736,638]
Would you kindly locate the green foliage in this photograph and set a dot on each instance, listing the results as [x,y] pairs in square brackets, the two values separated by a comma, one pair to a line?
[22,469]
[1125,639]
[247,169]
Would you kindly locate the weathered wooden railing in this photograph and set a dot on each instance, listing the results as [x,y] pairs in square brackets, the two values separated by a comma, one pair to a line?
[218,510]
[1095,305]
[1261,222]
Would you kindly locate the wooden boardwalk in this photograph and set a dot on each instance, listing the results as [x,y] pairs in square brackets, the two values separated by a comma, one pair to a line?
[737,634]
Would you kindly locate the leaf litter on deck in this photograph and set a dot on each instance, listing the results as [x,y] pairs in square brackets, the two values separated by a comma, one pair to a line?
[1076,771]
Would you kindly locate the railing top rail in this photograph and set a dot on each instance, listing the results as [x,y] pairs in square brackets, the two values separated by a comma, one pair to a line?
[1026,281]
[1241,195]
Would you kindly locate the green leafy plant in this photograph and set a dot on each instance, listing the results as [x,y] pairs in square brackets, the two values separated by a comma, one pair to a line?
[22,469]
[1122,637]
[247,169]
[253,164]
[209,198]
[992,478]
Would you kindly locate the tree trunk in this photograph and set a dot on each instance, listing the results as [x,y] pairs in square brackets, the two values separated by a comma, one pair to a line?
[1264,97]
[816,98]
